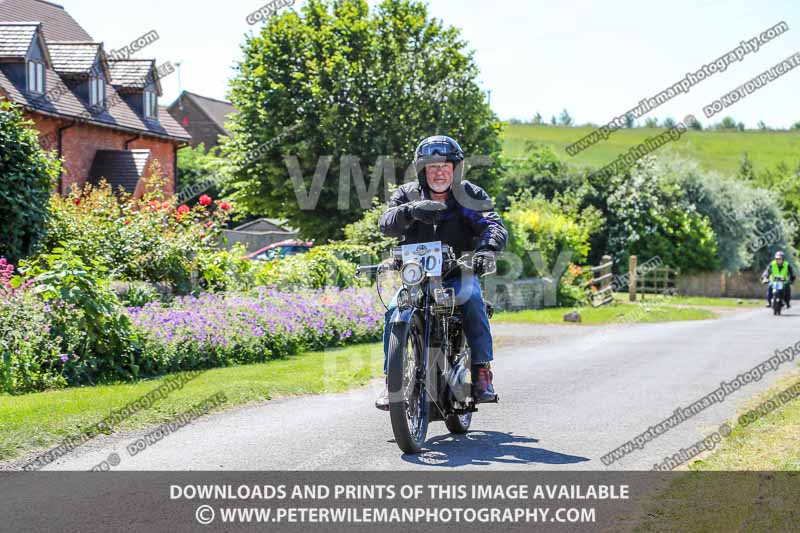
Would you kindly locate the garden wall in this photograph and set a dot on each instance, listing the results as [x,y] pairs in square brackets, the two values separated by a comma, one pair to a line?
[721,284]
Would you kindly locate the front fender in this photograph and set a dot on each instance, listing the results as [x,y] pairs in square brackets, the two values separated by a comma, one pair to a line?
[404,316]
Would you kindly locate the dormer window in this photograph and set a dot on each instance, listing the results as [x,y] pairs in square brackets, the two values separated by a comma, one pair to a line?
[97,92]
[150,104]
[36,77]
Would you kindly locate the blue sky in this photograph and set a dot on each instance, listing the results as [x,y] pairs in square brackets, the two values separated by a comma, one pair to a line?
[596,59]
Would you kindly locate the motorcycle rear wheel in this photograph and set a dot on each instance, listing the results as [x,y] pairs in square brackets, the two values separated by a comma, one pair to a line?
[408,409]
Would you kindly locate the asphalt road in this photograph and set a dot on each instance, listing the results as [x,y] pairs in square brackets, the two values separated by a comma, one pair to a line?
[568,394]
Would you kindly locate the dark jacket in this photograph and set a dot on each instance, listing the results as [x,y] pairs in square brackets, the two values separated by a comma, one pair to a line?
[472,228]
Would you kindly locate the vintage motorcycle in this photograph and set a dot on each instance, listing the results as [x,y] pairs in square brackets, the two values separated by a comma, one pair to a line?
[429,368]
[778,285]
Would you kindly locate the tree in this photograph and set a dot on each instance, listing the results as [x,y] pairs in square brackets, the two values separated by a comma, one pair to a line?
[564,119]
[695,125]
[537,119]
[728,123]
[796,125]
[668,123]
[200,172]
[740,126]
[540,171]
[630,121]
[27,177]
[762,125]
[746,171]
[338,80]
[651,122]
[553,121]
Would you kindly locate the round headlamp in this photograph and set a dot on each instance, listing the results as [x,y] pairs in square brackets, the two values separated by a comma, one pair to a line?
[411,273]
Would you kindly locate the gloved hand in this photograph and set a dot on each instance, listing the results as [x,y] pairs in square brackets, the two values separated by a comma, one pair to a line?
[484,262]
[426,211]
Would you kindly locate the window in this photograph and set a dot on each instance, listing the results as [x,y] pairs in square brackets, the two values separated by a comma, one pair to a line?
[36,77]
[97,92]
[150,104]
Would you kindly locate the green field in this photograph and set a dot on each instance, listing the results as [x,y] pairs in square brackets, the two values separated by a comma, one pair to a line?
[722,151]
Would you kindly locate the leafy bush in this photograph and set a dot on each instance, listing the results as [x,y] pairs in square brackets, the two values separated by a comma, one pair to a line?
[317,269]
[31,358]
[366,231]
[27,177]
[225,270]
[540,171]
[552,228]
[650,216]
[86,315]
[145,239]
[739,214]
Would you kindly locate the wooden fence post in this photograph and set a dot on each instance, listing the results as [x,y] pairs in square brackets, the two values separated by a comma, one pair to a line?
[632,265]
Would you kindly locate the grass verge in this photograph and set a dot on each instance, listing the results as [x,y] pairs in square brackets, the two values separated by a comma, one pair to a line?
[41,420]
[608,314]
[749,483]
[692,300]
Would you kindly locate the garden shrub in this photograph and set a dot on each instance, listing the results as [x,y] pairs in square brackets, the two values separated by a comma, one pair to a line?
[146,239]
[85,314]
[27,177]
[551,227]
[317,269]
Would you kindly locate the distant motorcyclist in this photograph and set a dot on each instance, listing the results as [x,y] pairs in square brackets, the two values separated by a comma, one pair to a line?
[439,207]
[779,268]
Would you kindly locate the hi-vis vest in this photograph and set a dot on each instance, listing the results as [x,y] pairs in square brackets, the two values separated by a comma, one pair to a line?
[779,271]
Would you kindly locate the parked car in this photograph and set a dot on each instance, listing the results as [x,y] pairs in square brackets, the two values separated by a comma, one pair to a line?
[279,250]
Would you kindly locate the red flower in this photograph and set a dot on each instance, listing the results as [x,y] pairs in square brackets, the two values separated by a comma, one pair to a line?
[205,200]
[127,222]
[166,205]
[225,206]
[154,205]
[182,210]
[209,224]
[77,201]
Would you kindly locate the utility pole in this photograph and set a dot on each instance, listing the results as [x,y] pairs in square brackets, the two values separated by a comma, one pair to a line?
[180,90]
[489,92]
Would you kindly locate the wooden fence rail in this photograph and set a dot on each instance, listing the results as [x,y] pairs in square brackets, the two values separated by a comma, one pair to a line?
[599,287]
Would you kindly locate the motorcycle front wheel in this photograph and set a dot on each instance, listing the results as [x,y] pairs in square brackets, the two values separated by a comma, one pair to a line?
[460,423]
[408,408]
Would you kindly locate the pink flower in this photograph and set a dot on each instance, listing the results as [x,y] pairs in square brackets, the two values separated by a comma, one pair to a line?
[182,210]
[225,206]
[205,200]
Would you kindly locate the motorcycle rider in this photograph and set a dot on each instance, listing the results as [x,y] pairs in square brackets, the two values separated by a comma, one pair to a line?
[441,206]
[782,268]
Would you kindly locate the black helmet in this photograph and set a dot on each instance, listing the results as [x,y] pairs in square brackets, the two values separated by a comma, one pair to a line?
[436,149]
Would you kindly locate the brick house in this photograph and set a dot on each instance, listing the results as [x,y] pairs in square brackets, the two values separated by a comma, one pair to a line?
[101,115]
[203,117]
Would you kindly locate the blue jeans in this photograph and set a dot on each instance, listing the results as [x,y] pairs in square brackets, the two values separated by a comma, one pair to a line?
[473,317]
